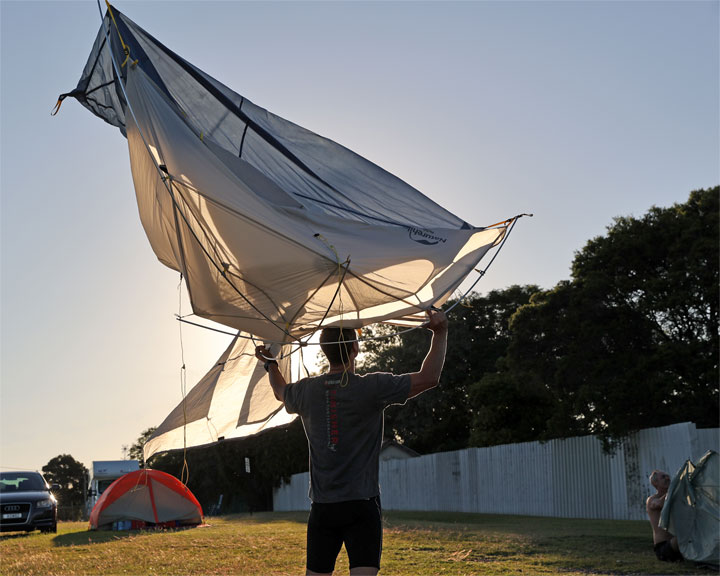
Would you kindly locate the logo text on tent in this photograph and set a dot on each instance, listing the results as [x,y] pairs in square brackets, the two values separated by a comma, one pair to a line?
[426,237]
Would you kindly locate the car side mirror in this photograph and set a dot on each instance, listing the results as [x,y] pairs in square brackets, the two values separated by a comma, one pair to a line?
[55,488]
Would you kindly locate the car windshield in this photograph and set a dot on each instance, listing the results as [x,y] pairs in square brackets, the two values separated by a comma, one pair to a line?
[21,481]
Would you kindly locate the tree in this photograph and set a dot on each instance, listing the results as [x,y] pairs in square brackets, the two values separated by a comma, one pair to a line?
[632,340]
[441,419]
[71,475]
[508,410]
[135,451]
[661,272]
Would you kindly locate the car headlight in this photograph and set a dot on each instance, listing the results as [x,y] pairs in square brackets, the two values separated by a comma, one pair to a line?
[47,503]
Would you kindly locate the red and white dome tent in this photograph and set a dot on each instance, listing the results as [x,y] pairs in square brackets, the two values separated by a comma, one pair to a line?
[146,498]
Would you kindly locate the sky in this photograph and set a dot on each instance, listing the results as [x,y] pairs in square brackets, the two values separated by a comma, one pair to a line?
[575,111]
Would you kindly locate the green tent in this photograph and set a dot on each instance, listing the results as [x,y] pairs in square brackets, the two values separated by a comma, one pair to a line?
[692,509]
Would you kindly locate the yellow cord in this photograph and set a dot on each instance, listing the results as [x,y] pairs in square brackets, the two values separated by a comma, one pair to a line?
[126,50]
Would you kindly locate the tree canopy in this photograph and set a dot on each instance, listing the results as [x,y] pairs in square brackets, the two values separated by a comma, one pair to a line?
[631,341]
[441,419]
[71,475]
[135,451]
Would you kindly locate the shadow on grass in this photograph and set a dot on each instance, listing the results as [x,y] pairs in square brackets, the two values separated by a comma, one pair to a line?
[84,537]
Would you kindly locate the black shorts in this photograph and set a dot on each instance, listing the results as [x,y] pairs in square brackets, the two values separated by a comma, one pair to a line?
[665,552]
[356,523]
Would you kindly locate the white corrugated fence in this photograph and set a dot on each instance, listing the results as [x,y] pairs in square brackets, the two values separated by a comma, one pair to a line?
[570,478]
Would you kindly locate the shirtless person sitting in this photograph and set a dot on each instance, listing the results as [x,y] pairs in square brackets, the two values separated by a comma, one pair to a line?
[665,544]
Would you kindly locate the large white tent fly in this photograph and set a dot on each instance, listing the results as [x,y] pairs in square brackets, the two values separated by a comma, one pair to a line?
[234,399]
[277,231]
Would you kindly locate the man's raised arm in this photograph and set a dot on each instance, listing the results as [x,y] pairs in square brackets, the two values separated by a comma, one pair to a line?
[432,366]
[277,381]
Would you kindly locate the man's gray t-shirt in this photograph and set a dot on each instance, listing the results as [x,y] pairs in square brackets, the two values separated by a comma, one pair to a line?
[343,420]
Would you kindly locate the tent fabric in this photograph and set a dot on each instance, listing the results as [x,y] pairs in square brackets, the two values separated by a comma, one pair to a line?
[276,230]
[234,399]
[149,496]
[692,509]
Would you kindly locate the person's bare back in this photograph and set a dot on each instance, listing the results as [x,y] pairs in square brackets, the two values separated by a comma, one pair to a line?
[653,507]
[664,543]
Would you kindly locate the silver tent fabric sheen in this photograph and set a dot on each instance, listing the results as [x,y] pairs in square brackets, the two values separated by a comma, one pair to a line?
[277,231]
[692,509]
[234,399]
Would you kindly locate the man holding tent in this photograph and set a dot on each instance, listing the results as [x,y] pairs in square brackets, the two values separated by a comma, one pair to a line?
[664,543]
[342,413]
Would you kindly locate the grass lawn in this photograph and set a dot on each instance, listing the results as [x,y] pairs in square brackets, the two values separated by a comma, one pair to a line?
[415,544]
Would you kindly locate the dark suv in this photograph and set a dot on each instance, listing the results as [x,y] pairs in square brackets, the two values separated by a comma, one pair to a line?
[26,503]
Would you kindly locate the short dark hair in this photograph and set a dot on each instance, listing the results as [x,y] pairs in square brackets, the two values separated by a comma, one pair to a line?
[337,344]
